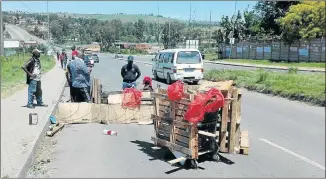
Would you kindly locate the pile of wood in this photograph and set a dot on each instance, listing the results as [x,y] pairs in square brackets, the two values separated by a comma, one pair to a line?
[177,134]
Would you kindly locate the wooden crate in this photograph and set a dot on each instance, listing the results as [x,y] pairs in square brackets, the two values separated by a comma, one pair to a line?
[166,113]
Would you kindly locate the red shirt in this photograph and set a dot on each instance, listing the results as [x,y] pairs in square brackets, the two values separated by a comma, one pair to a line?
[74,52]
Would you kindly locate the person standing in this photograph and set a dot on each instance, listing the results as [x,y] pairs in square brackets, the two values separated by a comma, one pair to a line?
[62,56]
[32,69]
[80,79]
[58,56]
[130,73]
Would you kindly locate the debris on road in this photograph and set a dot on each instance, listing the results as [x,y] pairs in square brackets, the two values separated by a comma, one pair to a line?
[109,132]
[55,129]
[218,131]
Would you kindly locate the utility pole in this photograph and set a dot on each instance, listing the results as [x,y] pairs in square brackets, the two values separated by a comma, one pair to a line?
[158,24]
[47,9]
[169,36]
[234,18]
[1,32]
[210,30]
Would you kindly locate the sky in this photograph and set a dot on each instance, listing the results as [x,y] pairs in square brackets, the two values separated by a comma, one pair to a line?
[173,9]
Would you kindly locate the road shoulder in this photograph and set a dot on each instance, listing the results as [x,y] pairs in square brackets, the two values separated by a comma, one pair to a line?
[19,139]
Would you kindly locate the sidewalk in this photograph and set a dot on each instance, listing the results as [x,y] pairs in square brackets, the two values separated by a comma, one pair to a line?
[19,139]
[265,66]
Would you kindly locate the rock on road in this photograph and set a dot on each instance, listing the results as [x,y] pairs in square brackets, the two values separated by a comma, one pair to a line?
[286,140]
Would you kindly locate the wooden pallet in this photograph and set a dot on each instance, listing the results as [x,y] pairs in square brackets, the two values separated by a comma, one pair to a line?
[228,131]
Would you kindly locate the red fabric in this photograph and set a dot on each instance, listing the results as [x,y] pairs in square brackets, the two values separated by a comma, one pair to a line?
[131,98]
[210,101]
[62,56]
[175,91]
[215,100]
[148,80]
[196,109]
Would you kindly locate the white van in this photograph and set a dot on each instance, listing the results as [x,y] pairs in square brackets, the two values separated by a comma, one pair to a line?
[175,64]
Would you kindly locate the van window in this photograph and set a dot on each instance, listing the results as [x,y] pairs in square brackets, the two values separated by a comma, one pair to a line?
[188,57]
[161,57]
[156,57]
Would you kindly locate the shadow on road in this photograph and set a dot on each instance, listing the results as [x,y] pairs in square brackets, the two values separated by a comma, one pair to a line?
[165,155]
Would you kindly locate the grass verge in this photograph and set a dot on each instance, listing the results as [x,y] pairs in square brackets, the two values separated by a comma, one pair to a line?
[13,78]
[302,87]
[272,63]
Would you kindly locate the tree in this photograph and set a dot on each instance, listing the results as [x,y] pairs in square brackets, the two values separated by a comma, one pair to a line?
[172,34]
[306,20]
[218,36]
[140,28]
[269,11]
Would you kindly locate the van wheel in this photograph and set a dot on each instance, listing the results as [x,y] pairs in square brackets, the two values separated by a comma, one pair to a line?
[168,79]
[155,76]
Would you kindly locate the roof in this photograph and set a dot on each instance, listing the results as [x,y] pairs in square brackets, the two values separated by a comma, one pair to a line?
[178,50]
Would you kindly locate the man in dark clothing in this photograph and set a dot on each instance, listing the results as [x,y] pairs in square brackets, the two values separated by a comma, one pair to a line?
[33,79]
[79,79]
[130,73]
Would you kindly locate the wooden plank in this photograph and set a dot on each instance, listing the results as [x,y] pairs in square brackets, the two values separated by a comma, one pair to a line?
[171,146]
[164,127]
[166,109]
[182,125]
[172,115]
[180,138]
[164,132]
[234,105]
[181,106]
[161,119]
[193,145]
[177,160]
[223,127]
[180,112]
[164,102]
[244,144]
[99,91]
[181,132]
[207,133]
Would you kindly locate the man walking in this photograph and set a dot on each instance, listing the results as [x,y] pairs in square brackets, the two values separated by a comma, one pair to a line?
[33,72]
[78,75]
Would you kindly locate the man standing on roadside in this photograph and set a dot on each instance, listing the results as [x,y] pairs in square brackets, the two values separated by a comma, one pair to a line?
[33,72]
[78,75]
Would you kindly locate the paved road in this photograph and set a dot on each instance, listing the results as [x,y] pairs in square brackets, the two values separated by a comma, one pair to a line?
[208,66]
[18,33]
[286,138]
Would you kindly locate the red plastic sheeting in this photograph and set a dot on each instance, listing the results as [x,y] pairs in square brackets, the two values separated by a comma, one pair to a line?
[131,98]
[175,91]
[210,101]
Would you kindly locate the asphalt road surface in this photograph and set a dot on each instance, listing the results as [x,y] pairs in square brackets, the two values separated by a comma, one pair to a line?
[18,33]
[287,139]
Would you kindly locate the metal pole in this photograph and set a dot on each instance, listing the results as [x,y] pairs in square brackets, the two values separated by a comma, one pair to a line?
[1,32]
[47,9]
[210,30]
[169,36]
[158,16]
[235,9]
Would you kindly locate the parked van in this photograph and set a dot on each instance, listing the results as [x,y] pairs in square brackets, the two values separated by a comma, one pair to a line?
[174,64]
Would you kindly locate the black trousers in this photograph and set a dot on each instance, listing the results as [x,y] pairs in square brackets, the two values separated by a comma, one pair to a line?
[81,94]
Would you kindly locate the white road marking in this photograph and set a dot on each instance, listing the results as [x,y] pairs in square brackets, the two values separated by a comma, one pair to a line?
[294,154]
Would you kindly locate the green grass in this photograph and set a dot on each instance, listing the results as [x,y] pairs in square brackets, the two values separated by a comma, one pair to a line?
[302,87]
[270,63]
[13,78]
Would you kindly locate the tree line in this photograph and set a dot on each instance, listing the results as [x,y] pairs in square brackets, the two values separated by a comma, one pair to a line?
[286,20]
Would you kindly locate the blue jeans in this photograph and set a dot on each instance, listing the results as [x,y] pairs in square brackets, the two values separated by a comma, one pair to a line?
[34,87]
[125,85]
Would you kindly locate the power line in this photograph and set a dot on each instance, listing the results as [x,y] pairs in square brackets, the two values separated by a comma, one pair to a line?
[27,7]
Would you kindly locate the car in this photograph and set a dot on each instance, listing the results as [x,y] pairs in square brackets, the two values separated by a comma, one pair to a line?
[88,61]
[118,55]
[96,58]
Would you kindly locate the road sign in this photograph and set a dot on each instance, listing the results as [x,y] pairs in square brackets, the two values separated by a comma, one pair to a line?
[231,40]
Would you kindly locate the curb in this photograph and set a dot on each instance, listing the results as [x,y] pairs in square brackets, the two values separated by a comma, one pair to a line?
[32,156]
[266,67]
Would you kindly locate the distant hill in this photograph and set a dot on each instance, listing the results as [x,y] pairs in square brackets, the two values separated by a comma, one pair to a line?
[134,17]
